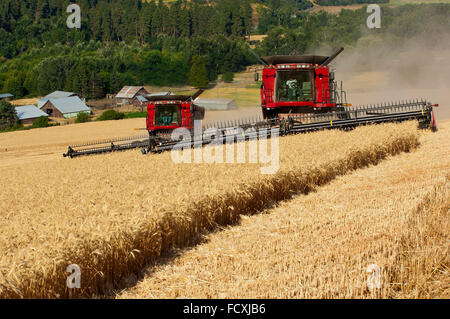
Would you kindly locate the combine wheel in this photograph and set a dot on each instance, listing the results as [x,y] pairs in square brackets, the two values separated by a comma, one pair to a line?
[270,114]
[425,124]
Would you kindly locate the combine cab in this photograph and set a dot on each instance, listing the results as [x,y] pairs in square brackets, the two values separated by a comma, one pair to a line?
[299,84]
[169,112]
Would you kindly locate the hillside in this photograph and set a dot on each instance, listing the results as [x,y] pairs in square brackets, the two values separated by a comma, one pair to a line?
[145,49]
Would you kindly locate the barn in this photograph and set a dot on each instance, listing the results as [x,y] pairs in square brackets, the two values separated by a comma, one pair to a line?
[128,93]
[27,114]
[65,107]
[58,95]
[216,104]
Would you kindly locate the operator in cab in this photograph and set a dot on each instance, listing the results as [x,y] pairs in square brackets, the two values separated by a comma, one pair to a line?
[166,118]
[293,88]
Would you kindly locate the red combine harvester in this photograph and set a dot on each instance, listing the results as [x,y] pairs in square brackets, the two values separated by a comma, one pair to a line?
[299,84]
[298,94]
[164,114]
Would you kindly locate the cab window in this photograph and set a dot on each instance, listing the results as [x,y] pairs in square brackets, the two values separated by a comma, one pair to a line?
[294,85]
[166,115]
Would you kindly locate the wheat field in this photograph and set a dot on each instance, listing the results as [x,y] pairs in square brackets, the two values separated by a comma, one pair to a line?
[319,245]
[69,134]
[113,214]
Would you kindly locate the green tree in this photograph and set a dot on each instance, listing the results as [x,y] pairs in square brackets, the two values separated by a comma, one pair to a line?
[8,115]
[82,117]
[41,122]
[197,74]
[111,115]
[14,85]
[228,77]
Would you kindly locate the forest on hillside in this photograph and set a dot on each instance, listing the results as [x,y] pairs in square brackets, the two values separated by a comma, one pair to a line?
[130,42]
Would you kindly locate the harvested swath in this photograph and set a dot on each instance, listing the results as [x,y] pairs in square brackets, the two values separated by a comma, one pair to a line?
[421,268]
[320,245]
[113,214]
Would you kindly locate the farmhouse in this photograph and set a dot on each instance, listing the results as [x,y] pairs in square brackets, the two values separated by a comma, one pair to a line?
[65,107]
[27,114]
[58,95]
[216,104]
[6,96]
[128,93]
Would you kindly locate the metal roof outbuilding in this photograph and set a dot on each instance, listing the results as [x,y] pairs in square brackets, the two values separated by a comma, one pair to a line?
[29,112]
[59,95]
[128,92]
[6,95]
[216,104]
[70,105]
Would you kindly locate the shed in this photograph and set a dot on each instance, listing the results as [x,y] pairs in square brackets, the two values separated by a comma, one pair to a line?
[27,114]
[6,96]
[128,93]
[65,107]
[216,104]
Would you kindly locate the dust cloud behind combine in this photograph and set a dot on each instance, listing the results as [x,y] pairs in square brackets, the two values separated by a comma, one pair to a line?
[377,70]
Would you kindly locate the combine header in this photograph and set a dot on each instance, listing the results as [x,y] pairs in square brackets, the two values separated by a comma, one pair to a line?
[298,94]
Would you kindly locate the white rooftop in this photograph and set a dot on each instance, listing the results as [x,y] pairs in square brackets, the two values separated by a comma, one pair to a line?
[59,95]
[70,105]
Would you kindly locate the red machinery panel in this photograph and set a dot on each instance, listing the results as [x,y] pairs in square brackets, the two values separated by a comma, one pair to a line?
[186,116]
[322,91]
[150,116]
[268,86]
